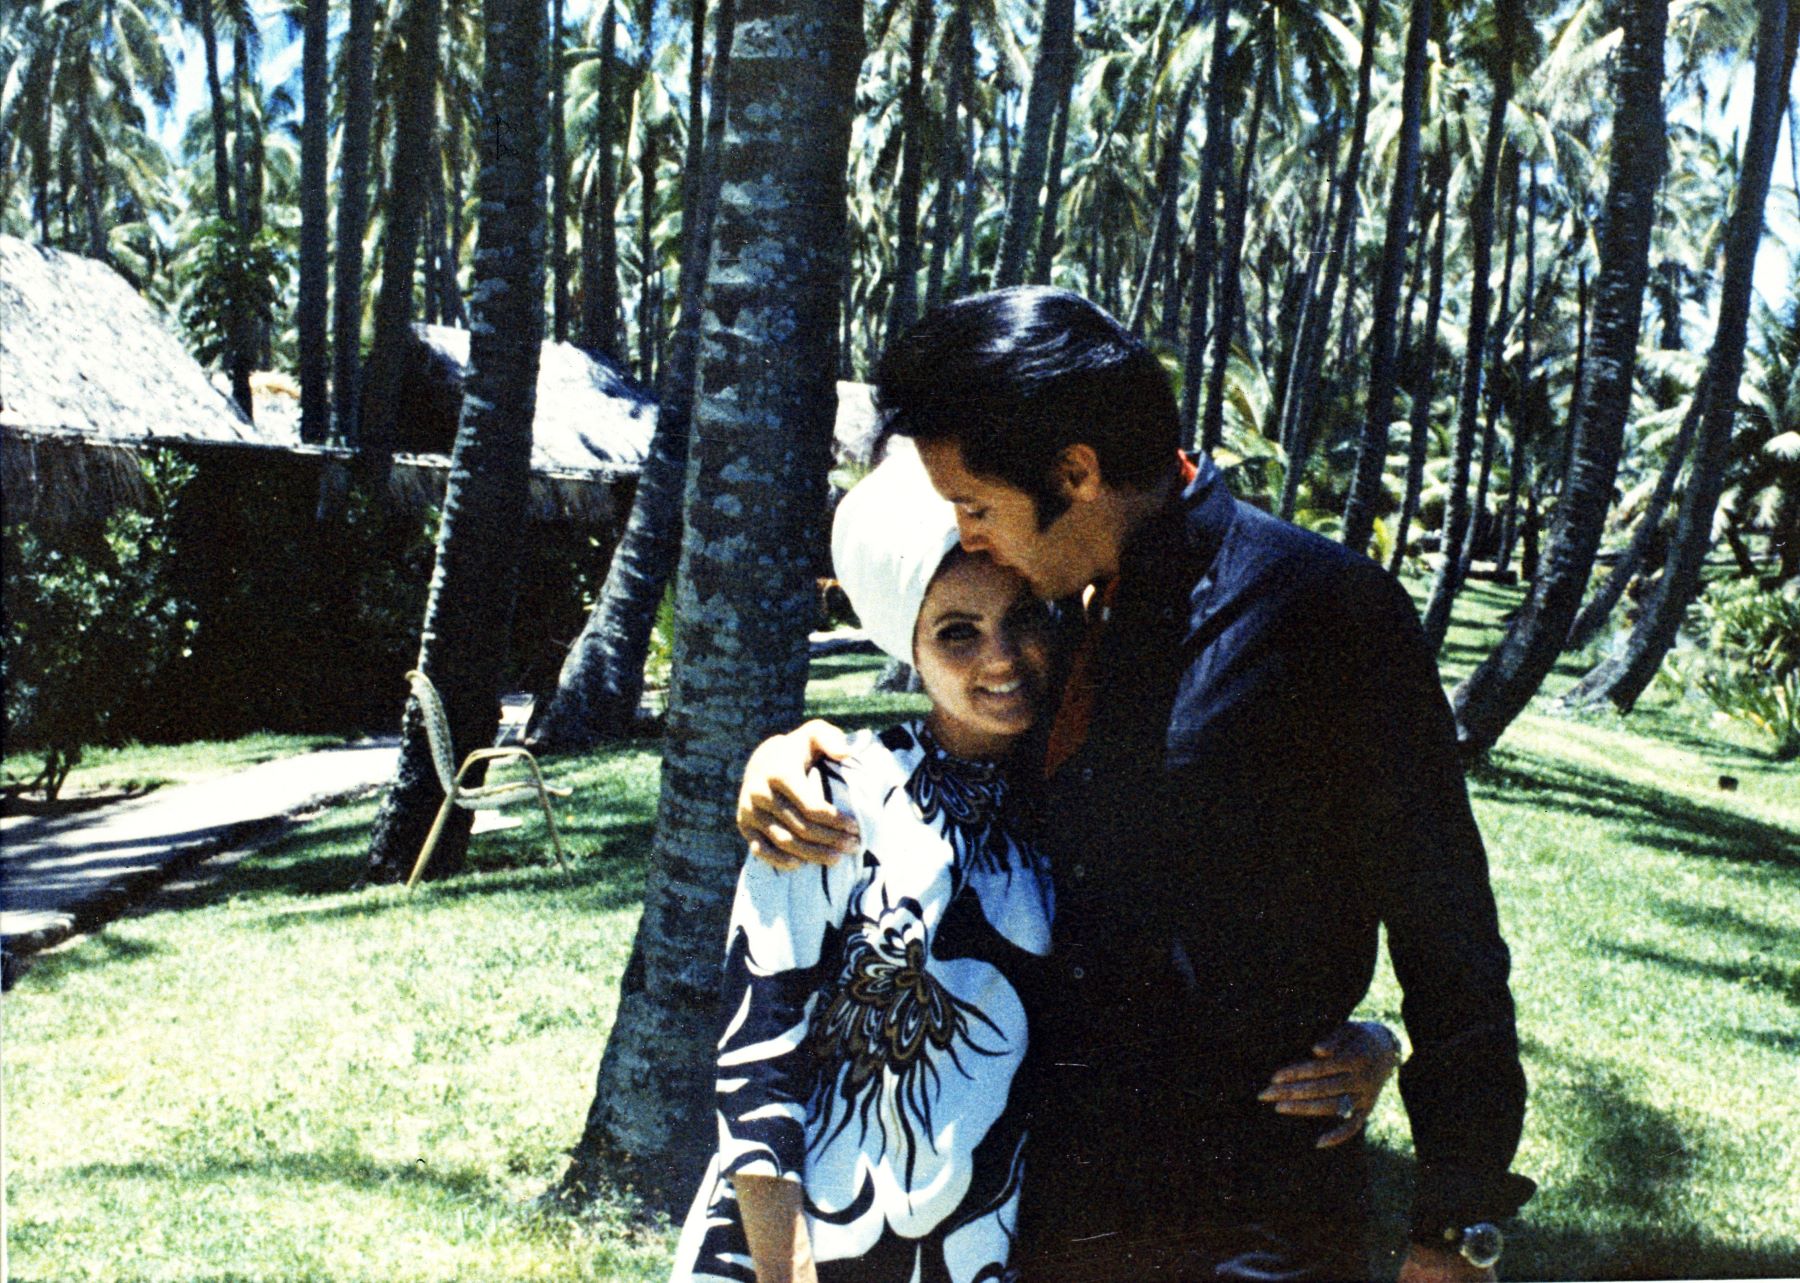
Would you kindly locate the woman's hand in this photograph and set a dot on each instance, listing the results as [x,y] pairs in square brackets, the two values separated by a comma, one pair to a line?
[782,812]
[1342,1081]
[775,1226]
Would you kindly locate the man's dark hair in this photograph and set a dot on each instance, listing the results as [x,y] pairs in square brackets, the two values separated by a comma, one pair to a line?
[1016,376]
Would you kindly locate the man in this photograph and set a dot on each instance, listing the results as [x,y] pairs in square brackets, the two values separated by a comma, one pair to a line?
[1253,767]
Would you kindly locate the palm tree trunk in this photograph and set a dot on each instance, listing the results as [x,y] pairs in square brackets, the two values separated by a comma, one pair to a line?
[559,182]
[1053,169]
[1309,356]
[600,291]
[400,249]
[1487,701]
[1231,297]
[310,317]
[1215,165]
[1168,189]
[1419,423]
[209,43]
[1051,80]
[602,679]
[1518,458]
[649,293]
[1623,678]
[971,184]
[1481,524]
[1509,16]
[756,482]
[358,61]
[951,159]
[453,307]
[481,540]
[903,306]
[1600,606]
[1366,489]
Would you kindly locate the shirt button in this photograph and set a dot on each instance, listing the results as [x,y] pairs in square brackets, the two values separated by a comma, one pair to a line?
[1079,973]
[1087,774]
[1080,871]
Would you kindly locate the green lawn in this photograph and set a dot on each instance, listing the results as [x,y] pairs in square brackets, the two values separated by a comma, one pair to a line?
[138,768]
[272,1076]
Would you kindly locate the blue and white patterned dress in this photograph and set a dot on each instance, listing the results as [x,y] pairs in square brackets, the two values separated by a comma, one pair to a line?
[875,1030]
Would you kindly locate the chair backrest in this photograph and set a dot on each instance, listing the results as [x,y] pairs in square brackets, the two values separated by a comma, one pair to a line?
[437,727]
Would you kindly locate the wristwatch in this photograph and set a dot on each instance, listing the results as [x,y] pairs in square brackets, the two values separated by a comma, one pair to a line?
[1479,1244]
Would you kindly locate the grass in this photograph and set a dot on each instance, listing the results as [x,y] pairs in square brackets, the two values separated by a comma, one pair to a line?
[273,1076]
[138,768]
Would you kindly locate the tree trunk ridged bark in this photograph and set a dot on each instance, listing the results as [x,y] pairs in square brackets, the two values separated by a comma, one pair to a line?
[1215,164]
[600,314]
[1509,16]
[1623,679]
[755,497]
[1494,694]
[1309,353]
[559,183]
[1480,523]
[1231,298]
[1366,492]
[952,162]
[602,679]
[468,615]
[1168,187]
[1053,168]
[310,317]
[1419,423]
[1050,83]
[358,57]
[400,250]
[1518,459]
[903,306]
[1599,607]
[649,314]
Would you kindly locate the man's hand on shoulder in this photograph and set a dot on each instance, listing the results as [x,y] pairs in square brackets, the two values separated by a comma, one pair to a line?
[782,811]
[1437,1265]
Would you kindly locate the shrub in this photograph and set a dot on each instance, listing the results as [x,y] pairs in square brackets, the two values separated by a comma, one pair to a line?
[90,618]
[1747,662]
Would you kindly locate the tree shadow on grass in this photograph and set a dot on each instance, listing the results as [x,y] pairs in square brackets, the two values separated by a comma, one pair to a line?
[345,1168]
[46,971]
[1663,821]
[1756,971]
[1622,1216]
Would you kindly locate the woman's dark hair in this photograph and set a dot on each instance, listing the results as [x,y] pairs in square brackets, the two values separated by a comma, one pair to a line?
[1016,376]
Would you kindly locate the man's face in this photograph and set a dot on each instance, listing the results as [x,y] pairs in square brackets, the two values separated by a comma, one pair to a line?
[1001,520]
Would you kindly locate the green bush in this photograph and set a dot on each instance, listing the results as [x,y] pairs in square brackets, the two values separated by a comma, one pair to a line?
[1747,662]
[90,619]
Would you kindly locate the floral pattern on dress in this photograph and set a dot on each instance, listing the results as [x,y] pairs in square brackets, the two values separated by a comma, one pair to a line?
[876,1030]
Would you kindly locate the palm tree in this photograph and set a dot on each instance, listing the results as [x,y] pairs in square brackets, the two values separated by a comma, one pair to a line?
[1303,373]
[310,317]
[480,541]
[1051,80]
[1425,356]
[1509,16]
[1622,678]
[357,67]
[410,170]
[1371,457]
[599,237]
[559,182]
[1487,701]
[761,442]
[602,679]
[903,306]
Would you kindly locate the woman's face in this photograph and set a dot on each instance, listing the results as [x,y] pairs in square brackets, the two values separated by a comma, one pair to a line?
[982,648]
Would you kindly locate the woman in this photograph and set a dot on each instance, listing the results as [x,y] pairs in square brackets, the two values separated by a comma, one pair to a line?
[868,1124]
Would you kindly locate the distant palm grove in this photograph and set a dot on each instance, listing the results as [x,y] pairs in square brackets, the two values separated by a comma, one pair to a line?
[1474,288]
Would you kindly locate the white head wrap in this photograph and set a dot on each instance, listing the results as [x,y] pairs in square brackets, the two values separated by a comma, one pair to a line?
[890,535]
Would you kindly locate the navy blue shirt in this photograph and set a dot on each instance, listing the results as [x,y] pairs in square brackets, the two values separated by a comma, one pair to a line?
[1271,775]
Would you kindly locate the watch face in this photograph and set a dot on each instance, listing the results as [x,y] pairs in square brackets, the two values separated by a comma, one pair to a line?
[1481,1245]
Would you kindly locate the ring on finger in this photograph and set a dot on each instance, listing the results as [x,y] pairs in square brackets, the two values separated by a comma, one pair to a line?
[1346,1106]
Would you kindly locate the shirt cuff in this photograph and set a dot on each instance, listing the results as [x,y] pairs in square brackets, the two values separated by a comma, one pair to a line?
[1452,1198]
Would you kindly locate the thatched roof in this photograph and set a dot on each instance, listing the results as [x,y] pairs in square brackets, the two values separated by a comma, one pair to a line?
[90,372]
[81,351]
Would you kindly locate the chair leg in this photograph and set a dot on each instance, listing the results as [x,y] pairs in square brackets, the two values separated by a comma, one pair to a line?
[431,839]
[549,819]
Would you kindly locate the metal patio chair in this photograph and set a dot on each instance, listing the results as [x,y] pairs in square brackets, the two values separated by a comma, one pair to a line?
[480,797]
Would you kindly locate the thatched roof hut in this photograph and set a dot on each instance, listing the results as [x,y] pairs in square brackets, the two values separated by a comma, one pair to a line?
[91,374]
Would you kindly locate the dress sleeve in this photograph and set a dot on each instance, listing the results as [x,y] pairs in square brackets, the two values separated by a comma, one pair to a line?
[782,949]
